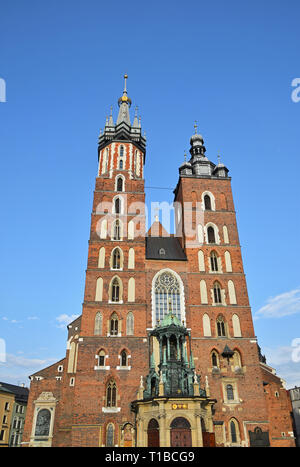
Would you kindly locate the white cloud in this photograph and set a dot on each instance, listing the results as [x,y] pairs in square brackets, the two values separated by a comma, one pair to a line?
[65,319]
[31,318]
[16,369]
[285,304]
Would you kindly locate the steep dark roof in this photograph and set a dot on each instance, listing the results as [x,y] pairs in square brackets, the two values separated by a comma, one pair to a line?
[21,393]
[164,248]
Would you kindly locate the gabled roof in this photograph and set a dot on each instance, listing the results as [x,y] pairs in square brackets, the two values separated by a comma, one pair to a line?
[164,248]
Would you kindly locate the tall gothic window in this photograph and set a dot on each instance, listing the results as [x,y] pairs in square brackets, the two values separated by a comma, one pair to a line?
[217,293]
[221,326]
[117,206]
[214,261]
[123,358]
[167,296]
[110,435]
[233,432]
[121,160]
[116,259]
[117,230]
[114,325]
[115,291]
[111,394]
[211,235]
[101,358]
[207,203]
[229,392]
[120,184]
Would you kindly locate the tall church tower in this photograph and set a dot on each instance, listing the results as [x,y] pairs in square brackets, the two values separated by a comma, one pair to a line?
[164,353]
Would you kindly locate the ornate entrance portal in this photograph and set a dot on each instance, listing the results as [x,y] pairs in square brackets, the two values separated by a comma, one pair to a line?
[181,433]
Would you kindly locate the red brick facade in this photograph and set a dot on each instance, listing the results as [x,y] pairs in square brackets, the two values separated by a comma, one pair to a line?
[82,414]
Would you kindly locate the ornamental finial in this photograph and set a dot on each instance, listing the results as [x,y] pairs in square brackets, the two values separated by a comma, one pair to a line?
[196,127]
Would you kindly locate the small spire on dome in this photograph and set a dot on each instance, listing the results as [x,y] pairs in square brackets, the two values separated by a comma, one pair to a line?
[125,78]
[196,127]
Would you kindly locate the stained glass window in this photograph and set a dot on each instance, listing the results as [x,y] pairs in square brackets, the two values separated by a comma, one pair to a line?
[167,296]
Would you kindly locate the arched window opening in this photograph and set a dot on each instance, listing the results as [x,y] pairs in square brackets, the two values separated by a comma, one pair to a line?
[229,392]
[116,259]
[221,327]
[117,206]
[207,203]
[110,431]
[214,359]
[233,432]
[114,325]
[115,290]
[167,296]
[214,261]
[117,230]
[217,293]
[211,238]
[101,358]
[120,184]
[124,358]
[111,394]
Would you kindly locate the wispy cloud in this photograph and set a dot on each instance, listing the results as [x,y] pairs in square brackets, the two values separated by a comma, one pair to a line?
[65,319]
[17,368]
[285,304]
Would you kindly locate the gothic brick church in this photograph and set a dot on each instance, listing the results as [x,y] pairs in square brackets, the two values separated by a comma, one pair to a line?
[164,353]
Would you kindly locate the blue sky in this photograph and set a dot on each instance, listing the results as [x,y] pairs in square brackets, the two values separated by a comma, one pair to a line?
[228,65]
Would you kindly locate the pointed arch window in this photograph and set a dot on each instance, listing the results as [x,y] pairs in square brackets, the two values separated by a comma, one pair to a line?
[111,394]
[123,358]
[116,259]
[110,434]
[115,290]
[120,184]
[217,293]
[229,392]
[117,206]
[211,237]
[101,358]
[221,331]
[167,296]
[117,230]
[121,158]
[214,359]
[214,261]
[234,431]
[114,325]
[207,203]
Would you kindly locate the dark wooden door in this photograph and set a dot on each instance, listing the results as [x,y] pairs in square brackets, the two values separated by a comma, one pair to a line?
[153,438]
[181,437]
